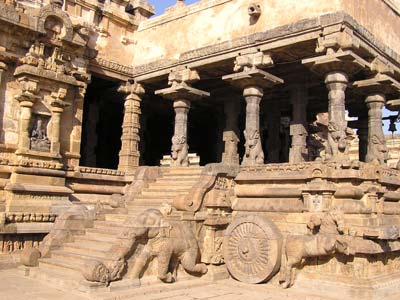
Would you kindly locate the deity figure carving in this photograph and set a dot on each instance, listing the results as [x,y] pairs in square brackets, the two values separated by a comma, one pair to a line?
[254,152]
[39,139]
[378,151]
[170,242]
[326,238]
[179,151]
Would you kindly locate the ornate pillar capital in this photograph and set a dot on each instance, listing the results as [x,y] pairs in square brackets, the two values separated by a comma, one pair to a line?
[133,90]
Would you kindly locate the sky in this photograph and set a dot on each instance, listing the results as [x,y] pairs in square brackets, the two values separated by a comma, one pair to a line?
[160,5]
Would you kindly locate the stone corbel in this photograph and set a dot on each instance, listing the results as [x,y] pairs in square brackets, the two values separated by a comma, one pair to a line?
[182,76]
[253,60]
[335,39]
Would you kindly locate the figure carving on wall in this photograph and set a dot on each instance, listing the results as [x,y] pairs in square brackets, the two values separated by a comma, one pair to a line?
[171,243]
[254,152]
[39,139]
[179,151]
[326,238]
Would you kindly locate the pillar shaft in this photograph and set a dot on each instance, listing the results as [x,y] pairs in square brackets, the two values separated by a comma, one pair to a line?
[24,122]
[56,128]
[273,140]
[362,133]
[129,155]
[253,153]
[376,150]
[180,148]
[298,126]
[77,123]
[231,133]
[3,67]
[337,148]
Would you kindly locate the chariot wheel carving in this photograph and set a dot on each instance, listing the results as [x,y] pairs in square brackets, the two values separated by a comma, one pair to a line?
[252,249]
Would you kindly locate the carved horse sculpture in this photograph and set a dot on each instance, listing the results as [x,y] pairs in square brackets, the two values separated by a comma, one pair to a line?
[326,240]
[165,241]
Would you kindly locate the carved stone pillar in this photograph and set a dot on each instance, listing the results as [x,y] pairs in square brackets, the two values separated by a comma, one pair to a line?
[376,150]
[3,68]
[252,80]
[362,133]
[231,133]
[336,83]
[129,155]
[57,108]
[298,126]
[181,94]
[336,66]
[179,140]
[76,133]
[254,152]
[273,141]
[26,101]
[374,89]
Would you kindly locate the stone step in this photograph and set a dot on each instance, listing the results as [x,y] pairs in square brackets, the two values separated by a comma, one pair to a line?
[112,231]
[180,177]
[66,278]
[183,172]
[115,217]
[160,193]
[77,258]
[108,224]
[91,244]
[170,187]
[101,236]
[60,265]
[76,248]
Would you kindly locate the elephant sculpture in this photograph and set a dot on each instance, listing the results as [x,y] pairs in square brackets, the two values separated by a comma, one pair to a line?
[169,242]
[326,239]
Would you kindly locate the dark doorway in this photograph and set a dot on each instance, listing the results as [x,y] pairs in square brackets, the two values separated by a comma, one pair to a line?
[102,121]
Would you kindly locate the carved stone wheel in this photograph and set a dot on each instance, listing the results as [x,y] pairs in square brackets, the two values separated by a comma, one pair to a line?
[252,249]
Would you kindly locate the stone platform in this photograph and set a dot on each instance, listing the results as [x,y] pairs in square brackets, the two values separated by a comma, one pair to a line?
[15,286]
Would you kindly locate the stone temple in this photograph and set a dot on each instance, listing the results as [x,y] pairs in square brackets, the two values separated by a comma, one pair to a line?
[209,143]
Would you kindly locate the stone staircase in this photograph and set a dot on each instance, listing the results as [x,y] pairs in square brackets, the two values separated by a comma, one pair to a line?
[65,265]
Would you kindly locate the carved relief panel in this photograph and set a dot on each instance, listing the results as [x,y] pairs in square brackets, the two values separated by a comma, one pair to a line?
[39,140]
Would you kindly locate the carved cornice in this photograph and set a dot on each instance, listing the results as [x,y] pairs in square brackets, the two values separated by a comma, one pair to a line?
[261,38]
[113,66]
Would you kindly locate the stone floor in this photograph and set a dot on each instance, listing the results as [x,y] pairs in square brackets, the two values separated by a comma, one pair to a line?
[15,286]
